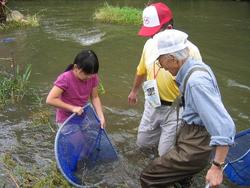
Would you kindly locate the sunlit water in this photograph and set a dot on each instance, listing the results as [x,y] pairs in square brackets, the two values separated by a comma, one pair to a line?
[219,28]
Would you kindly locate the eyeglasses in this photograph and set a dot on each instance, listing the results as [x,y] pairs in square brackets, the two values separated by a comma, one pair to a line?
[163,58]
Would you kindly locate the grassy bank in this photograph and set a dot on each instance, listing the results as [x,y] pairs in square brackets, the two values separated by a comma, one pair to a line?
[29,21]
[20,176]
[118,15]
[16,20]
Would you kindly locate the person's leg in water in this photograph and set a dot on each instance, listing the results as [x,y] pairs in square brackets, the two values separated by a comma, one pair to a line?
[192,147]
[149,131]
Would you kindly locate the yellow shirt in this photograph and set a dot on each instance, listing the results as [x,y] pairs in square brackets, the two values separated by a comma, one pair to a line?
[168,90]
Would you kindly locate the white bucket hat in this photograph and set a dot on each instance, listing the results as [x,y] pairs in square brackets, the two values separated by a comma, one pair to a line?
[169,41]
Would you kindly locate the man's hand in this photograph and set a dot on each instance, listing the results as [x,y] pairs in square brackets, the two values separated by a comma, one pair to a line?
[214,176]
[132,98]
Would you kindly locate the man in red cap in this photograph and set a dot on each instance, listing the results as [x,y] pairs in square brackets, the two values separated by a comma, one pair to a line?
[158,125]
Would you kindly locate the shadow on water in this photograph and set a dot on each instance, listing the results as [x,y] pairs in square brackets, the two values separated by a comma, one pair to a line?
[66,27]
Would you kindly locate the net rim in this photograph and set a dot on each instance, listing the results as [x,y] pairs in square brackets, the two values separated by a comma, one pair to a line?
[56,150]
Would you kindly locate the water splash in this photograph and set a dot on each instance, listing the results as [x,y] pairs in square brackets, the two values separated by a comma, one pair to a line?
[89,39]
[85,37]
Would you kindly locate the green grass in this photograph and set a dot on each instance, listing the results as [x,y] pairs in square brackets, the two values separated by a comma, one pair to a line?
[14,84]
[26,21]
[21,176]
[29,21]
[117,15]
[101,89]
[42,117]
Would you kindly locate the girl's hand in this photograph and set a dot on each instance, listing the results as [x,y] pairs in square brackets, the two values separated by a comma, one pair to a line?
[78,110]
[103,123]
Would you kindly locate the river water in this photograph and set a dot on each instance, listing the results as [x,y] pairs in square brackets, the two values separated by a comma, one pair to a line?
[220,29]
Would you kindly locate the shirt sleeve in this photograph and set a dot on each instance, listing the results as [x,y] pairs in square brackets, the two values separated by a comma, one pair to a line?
[207,102]
[141,68]
[61,82]
[95,80]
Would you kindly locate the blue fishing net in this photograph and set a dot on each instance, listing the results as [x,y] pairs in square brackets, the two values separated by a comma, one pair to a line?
[238,160]
[80,142]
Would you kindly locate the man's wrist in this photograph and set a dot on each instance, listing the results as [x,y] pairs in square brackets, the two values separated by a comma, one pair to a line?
[219,165]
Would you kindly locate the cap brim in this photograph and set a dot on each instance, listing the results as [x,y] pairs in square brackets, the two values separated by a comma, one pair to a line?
[149,31]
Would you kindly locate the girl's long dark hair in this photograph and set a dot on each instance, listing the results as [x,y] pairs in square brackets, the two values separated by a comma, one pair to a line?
[87,61]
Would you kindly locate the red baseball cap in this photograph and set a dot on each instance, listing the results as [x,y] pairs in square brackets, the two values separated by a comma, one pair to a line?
[154,17]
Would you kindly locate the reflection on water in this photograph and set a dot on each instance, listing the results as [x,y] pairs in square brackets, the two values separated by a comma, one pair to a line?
[222,34]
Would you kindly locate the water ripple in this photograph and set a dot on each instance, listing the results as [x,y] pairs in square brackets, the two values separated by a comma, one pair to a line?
[233,83]
[121,112]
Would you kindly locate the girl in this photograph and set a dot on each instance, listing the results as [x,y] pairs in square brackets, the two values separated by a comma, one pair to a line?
[73,88]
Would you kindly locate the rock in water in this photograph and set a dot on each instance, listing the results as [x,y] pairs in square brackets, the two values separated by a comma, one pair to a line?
[15,16]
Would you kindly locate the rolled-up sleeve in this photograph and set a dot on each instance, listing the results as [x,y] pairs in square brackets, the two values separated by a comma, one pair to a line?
[207,103]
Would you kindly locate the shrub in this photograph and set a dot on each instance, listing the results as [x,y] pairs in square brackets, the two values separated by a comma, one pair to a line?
[124,15]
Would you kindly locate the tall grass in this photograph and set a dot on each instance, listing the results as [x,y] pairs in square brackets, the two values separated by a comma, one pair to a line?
[101,89]
[124,15]
[14,85]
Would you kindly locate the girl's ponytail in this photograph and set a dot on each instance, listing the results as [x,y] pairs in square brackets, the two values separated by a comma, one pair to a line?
[69,67]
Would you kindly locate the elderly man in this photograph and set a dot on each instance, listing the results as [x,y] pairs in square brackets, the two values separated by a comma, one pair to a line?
[206,123]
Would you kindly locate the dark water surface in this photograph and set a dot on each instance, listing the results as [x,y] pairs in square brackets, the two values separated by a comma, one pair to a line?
[221,30]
